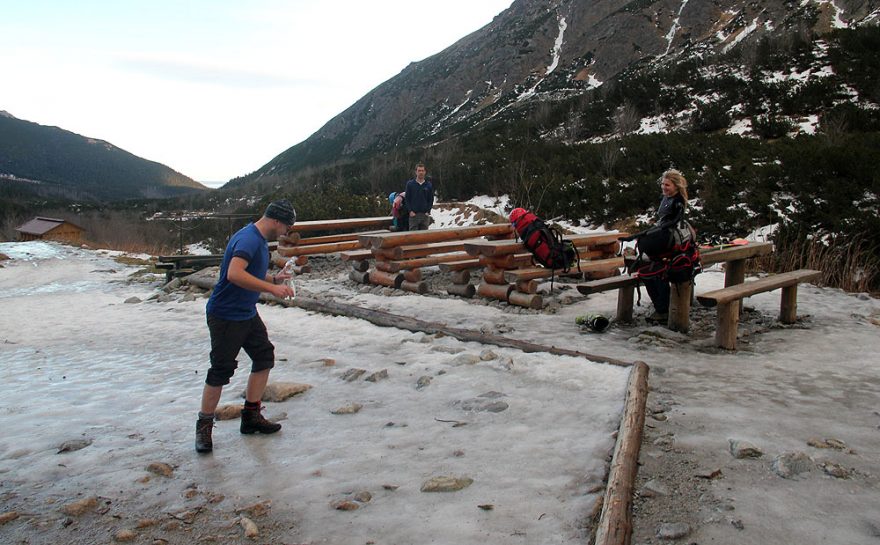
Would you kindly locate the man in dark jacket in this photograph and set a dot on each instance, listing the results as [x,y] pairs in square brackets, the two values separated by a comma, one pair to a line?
[419,200]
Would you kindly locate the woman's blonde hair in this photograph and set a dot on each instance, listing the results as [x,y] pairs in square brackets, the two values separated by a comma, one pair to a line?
[677,179]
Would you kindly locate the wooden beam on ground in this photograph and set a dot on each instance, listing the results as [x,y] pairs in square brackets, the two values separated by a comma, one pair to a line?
[331,248]
[495,291]
[527,300]
[391,240]
[585,266]
[386,319]
[462,290]
[615,523]
[385,279]
[382,222]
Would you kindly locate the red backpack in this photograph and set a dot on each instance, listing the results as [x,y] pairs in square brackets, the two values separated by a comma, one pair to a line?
[546,243]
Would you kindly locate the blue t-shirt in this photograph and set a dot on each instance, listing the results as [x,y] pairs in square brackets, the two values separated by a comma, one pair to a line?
[229,301]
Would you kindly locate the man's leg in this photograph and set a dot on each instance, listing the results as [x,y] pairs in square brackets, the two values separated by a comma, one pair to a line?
[262,353]
[256,386]
[226,339]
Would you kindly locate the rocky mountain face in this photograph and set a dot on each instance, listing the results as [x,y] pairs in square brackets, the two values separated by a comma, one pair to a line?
[52,162]
[540,51]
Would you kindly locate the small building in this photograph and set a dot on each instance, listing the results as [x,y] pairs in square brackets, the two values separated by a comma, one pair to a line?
[41,228]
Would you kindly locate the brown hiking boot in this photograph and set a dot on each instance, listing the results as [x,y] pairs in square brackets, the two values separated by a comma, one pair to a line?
[204,427]
[252,422]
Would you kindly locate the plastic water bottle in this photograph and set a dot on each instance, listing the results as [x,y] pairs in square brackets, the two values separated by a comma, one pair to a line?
[288,269]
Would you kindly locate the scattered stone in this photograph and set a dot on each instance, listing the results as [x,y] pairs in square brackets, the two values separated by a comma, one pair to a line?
[708,474]
[8,516]
[348,409]
[446,484]
[257,510]
[352,375]
[458,453]
[326,362]
[447,349]
[488,355]
[280,391]
[377,376]
[744,449]
[791,463]
[654,488]
[190,493]
[74,445]
[160,468]
[143,480]
[250,528]
[465,359]
[390,487]
[363,497]
[738,524]
[228,412]
[423,382]
[215,498]
[664,441]
[483,405]
[673,530]
[663,333]
[79,507]
[486,507]
[835,444]
[836,470]
[173,285]
[125,535]
[660,417]
[133,300]
[345,505]
[146,523]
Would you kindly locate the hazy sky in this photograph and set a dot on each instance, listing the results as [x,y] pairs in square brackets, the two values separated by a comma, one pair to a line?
[213,89]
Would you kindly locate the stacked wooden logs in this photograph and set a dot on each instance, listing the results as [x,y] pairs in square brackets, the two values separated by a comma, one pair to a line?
[295,245]
[400,257]
[510,275]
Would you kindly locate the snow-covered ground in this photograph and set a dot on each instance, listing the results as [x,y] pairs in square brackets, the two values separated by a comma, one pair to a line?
[78,363]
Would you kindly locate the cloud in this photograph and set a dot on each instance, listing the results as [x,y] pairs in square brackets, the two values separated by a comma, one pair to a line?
[203,73]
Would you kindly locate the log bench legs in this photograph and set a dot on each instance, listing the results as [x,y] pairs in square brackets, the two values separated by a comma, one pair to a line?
[680,306]
[728,322]
[625,299]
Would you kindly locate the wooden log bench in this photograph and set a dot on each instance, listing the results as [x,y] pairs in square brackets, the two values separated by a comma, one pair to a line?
[733,257]
[728,301]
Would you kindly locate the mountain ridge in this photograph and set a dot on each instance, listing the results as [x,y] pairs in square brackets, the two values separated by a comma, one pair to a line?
[538,51]
[62,163]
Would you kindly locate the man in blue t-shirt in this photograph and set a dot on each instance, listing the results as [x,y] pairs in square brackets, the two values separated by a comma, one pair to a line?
[419,200]
[235,325]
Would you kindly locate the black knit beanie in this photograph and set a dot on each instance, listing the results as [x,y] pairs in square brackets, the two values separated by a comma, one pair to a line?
[282,211]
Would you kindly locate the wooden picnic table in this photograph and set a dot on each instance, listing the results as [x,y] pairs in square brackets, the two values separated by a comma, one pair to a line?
[734,258]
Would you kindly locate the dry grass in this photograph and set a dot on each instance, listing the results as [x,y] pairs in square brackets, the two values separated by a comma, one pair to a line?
[849,263]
